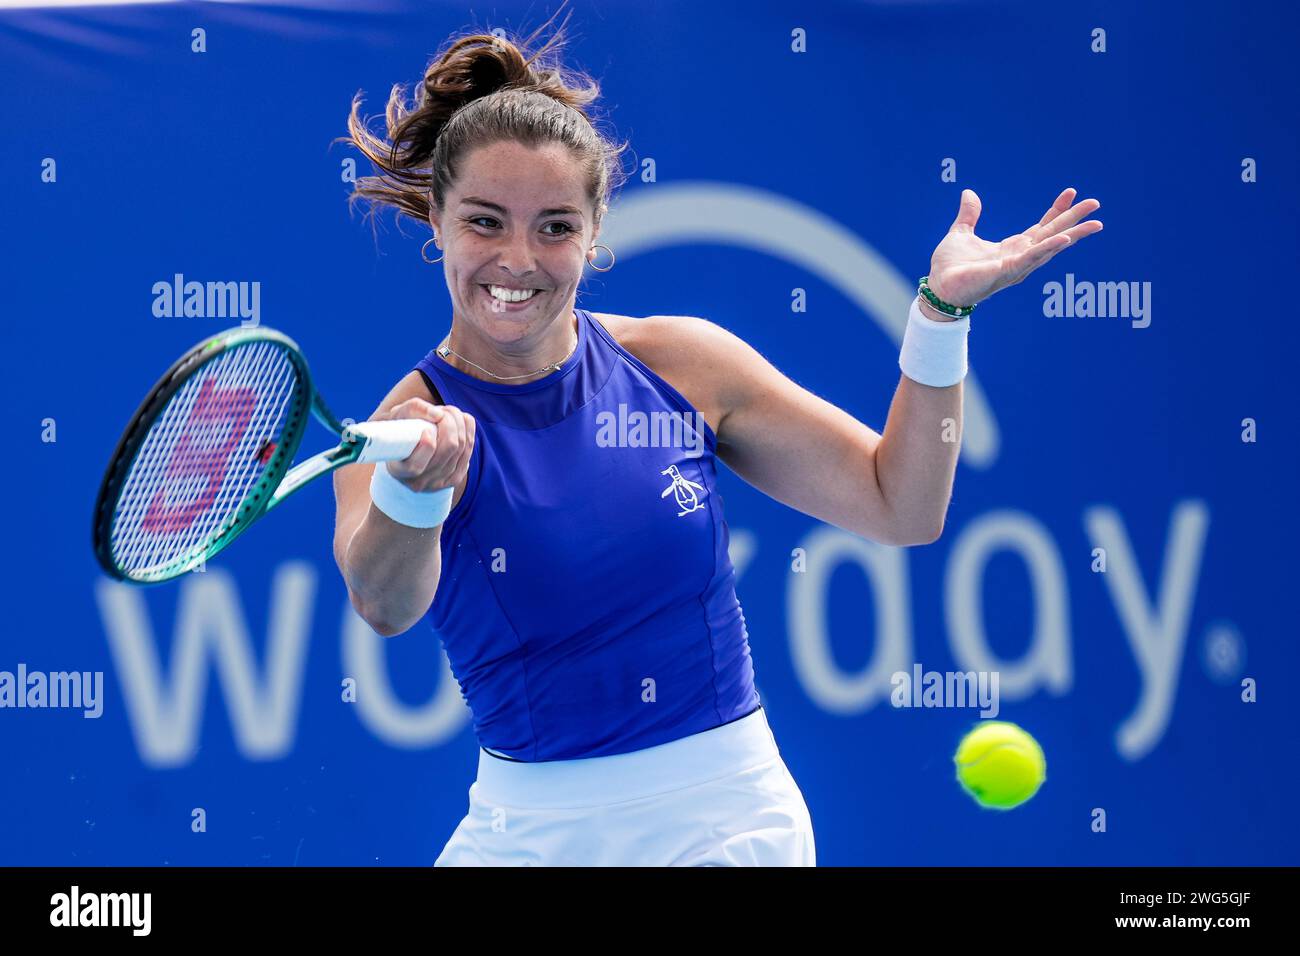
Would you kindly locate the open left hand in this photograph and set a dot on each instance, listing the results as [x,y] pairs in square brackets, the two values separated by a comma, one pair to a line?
[966,269]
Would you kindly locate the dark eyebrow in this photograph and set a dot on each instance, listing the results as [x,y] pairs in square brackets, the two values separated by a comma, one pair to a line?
[557,211]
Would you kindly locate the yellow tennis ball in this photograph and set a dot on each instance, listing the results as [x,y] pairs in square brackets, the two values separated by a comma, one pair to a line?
[1000,765]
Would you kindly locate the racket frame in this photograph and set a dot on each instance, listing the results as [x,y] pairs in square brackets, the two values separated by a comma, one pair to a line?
[365,442]
[263,492]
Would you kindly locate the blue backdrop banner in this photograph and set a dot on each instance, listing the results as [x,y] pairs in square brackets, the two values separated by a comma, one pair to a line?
[1118,548]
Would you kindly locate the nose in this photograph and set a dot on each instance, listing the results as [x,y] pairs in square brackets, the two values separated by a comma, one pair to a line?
[516,262]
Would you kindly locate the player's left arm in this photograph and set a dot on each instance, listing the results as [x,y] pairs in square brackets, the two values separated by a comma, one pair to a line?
[807,453]
[817,458]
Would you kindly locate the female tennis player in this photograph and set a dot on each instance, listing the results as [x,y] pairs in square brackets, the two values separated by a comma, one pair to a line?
[581,585]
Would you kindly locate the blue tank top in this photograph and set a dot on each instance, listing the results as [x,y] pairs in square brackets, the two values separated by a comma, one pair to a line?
[587,602]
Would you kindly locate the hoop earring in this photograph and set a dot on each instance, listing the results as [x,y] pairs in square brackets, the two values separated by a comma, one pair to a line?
[424,248]
[611,258]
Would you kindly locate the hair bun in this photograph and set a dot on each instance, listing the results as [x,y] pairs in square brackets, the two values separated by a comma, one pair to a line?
[503,67]
[476,66]
[416,161]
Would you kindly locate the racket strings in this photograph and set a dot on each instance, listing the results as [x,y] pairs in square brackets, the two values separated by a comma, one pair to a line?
[236,408]
[249,430]
[168,466]
[265,426]
[201,458]
[191,490]
[162,471]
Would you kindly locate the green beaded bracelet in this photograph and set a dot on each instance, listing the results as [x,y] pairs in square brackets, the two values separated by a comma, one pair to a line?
[958,311]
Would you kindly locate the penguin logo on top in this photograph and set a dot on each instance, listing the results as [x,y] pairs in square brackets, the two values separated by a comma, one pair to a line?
[684,489]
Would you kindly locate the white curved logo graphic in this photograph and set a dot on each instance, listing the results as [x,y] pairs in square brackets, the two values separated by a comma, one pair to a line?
[749,218]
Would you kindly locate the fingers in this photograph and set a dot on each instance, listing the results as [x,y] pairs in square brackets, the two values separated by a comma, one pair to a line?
[1063,219]
[1038,253]
[420,410]
[1067,238]
[452,444]
[1062,203]
[1049,246]
[441,458]
[462,462]
[1058,229]
[1030,258]
[1083,229]
[969,212]
[414,408]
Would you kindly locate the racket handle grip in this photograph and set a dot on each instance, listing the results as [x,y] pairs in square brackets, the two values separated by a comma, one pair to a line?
[390,440]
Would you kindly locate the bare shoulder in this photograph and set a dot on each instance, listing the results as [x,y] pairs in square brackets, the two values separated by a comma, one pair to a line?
[689,353]
[661,335]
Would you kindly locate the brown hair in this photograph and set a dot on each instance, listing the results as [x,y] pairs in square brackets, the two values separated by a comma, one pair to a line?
[481,89]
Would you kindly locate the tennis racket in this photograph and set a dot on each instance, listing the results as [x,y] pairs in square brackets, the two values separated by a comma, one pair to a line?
[208,452]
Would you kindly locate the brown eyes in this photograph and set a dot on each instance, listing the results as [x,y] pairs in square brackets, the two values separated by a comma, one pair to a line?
[475,220]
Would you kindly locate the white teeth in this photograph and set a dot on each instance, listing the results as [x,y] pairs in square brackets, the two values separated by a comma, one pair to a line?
[510,295]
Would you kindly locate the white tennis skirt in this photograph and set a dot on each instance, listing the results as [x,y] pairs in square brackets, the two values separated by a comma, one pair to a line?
[723,797]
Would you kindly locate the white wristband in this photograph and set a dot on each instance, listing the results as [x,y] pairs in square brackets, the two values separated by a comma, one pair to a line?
[934,352]
[415,509]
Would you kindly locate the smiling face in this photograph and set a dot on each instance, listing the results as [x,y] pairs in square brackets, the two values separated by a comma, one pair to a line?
[518,218]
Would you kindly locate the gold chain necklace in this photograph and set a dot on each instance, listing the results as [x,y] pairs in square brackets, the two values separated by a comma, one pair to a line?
[445,350]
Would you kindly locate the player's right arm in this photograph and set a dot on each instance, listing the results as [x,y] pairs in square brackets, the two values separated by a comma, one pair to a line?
[391,570]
